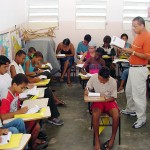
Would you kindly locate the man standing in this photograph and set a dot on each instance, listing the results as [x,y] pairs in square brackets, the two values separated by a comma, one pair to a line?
[136,83]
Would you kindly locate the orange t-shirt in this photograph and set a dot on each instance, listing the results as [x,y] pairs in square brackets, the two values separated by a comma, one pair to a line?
[141,44]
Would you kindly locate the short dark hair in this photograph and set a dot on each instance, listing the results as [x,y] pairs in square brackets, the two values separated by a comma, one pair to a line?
[107,39]
[20,52]
[4,60]
[104,72]
[140,20]
[19,79]
[124,34]
[100,50]
[31,49]
[87,37]
[66,41]
[38,54]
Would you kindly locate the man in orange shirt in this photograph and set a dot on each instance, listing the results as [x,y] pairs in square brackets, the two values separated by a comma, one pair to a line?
[138,72]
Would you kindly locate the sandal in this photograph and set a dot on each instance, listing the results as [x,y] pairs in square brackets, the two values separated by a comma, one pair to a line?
[39,144]
[61,80]
[105,146]
[69,84]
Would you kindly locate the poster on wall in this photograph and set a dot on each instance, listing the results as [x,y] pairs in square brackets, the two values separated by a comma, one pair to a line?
[5,45]
[15,40]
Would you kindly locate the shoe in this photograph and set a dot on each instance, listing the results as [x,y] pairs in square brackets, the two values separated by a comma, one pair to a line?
[133,114]
[42,136]
[137,124]
[121,91]
[56,121]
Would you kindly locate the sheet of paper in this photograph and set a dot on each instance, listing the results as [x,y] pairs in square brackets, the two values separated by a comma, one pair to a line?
[61,55]
[93,94]
[32,91]
[120,60]
[80,65]
[33,110]
[6,138]
[117,42]
[42,77]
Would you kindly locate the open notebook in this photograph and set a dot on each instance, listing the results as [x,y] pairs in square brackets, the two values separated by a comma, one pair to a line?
[33,110]
[29,92]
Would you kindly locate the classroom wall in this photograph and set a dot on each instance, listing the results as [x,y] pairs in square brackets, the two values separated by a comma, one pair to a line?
[15,13]
[12,12]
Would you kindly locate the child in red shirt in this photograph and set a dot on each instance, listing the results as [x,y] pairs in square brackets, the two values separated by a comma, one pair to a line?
[10,106]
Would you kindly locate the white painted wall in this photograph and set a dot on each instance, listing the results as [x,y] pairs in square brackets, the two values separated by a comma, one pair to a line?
[13,12]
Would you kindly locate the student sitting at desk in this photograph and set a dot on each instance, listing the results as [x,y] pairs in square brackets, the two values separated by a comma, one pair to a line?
[107,86]
[90,53]
[16,67]
[93,64]
[66,48]
[11,106]
[83,45]
[16,126]
[31,67]
[109,51]
[120,53]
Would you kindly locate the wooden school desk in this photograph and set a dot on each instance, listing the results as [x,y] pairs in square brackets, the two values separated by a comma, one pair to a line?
[93,98]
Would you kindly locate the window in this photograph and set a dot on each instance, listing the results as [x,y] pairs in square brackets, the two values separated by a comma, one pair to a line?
[132,9]
[91,14]
[43,13]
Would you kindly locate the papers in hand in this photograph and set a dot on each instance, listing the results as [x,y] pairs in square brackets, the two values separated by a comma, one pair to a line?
[42,77]
[29,92]
[6,138]
[92,94]
[117,42]
[33,110]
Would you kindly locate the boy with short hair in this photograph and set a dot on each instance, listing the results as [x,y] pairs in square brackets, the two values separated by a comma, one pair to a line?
[10,105]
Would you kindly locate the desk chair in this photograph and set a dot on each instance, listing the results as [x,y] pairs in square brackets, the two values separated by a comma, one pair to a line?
[104,122]
[73,69]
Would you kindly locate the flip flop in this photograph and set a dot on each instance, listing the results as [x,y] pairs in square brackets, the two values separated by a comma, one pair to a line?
[105,145]
[42,146]
[61,80]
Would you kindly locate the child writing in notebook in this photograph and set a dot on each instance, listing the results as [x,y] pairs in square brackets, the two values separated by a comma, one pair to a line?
[11,105]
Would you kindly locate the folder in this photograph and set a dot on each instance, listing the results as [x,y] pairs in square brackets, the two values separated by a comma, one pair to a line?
[13,143]
[43,82]
[36,115]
